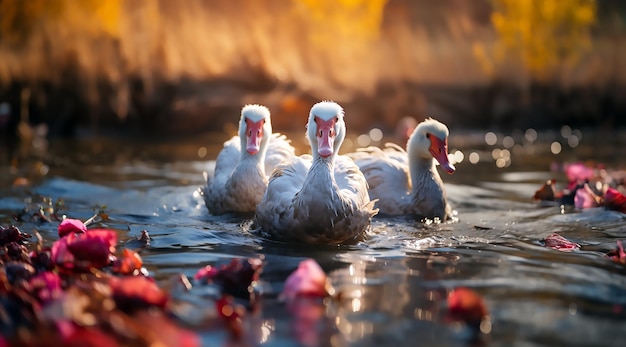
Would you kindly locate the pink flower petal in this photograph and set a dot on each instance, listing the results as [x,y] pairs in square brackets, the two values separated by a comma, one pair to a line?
[46,286]
[583,199]
[206,273]
[60,254]
[578,172]
[308,280]
[91,249]
[69,225]
[95,246]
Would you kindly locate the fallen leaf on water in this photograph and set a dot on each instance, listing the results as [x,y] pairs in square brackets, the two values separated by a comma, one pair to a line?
[547,192]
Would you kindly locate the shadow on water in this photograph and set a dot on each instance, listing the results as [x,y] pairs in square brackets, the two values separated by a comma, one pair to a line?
[393,284]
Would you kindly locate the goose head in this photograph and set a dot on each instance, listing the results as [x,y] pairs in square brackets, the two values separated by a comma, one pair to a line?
[430,141]
[326,129]
[255,128]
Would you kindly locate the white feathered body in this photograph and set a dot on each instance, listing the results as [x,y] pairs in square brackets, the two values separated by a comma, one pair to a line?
[240,179]
[316,202]
[390,181]
[407,182]
[320,198]
[243,165]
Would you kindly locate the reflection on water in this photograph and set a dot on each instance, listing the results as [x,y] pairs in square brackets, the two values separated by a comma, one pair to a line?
[393,285]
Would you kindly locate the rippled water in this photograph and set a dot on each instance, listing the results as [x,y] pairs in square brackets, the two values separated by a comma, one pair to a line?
[394,284]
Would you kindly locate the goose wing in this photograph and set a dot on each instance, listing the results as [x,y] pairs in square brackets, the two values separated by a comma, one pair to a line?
[387,173]
[226,161]
[276,208]
[351,182]
[279,149]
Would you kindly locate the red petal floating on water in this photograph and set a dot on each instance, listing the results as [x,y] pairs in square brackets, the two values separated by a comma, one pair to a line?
[618,254]
[69,225]
[308,280]
[127,263]
[94,246]
[206,273]
[234,278]
[466,305]
[137,291]
[556,241]
[90,249]
[614,200]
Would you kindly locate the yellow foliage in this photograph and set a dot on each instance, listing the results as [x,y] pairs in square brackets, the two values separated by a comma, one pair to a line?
[93,16]
[354,20]
[543,33]
[19,18]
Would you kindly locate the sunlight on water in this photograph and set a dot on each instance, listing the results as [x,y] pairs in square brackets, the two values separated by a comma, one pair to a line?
[393,284]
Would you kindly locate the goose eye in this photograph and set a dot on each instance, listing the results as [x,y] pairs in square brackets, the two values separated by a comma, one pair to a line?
[427,135]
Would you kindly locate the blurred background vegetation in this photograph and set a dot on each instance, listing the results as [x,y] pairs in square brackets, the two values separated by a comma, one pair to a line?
[187,66]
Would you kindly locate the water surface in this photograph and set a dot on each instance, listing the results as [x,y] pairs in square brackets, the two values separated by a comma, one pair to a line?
[394,284]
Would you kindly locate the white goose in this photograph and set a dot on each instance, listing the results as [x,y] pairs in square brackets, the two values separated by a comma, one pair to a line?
[241,176]
[321,198]
[409,183]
